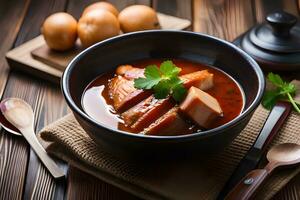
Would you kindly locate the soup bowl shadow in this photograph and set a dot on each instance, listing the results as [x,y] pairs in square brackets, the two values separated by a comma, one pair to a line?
[105,56]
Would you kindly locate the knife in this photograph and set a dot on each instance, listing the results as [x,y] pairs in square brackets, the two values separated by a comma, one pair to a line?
[271,127]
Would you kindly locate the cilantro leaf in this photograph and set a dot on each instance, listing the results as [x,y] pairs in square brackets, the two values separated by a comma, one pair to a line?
[162,89]
[178,92]
[152,75]
[288,88]
[143,83]
[284,91]
[163,80]
[152,72]
[168,69]
[270,98]
[275,79]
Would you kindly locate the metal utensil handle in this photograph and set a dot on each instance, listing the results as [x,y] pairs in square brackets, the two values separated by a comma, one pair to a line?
[49,163]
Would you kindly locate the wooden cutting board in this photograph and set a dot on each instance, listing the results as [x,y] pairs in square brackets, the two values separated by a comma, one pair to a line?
[37,59]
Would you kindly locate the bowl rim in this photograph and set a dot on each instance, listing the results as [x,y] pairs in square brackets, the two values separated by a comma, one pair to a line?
[207,133]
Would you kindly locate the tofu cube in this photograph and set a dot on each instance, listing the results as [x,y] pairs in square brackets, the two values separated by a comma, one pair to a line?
[201,107]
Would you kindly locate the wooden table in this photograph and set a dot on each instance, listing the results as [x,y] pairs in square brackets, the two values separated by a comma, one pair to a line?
[21,174]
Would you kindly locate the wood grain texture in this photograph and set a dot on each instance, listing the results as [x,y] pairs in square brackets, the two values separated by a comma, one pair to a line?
[75,7]
[291,191]
[265,7]
[91,188]
[13,10]
[178,8]
[14,150]
[37,12]
[290,6]
[21,59]
[39,183]
[223,18]
[50,106]
[122,4]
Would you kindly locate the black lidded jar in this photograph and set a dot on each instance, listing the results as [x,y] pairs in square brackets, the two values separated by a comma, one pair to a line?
[275,44]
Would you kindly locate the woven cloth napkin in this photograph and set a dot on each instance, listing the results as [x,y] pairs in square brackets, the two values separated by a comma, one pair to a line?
[197,179]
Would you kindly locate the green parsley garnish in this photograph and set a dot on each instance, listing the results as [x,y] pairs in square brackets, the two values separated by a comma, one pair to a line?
[283,91]
[163,80]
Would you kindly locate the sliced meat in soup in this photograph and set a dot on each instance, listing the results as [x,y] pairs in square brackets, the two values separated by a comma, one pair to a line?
[213,99]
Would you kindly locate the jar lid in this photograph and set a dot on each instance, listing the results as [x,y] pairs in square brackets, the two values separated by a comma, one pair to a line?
[277,41]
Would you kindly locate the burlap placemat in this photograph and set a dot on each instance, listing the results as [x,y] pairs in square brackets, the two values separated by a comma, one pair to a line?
[172,180]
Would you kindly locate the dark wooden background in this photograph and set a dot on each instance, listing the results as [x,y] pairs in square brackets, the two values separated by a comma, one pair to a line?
[21,174]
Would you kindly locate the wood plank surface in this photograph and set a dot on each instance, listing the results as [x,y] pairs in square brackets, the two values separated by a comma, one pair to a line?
[291,191]
[122,4]
[21,174]
[14,11]
[12,149]
[50,104]
[223,18]
[39,183]
[265,7]
[85,186]
[179,8]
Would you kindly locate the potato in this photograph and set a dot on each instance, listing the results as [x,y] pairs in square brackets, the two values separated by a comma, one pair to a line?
[96,26]
[101,5]
[138,18]
[60,31]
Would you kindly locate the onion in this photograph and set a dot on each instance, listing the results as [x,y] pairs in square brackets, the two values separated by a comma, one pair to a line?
[101,5]
[60,31]
[96,26]
[138,18]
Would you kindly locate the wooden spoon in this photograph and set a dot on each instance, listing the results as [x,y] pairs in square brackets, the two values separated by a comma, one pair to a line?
[280,155]
[21,116]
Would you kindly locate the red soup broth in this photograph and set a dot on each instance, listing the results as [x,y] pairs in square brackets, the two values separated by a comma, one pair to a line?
[97,103]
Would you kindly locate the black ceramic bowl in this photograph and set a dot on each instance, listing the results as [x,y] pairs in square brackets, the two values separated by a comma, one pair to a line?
[107,55]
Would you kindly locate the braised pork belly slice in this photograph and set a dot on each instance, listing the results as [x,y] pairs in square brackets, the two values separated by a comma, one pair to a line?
[124,94]
[122,90]
[119,88]
[201,107]
[133,99]
[134,113]
[146,112]
[170,123]
[154,111]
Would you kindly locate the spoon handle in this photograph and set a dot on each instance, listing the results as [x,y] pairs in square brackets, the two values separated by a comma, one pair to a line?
[248,185]
[49,163]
